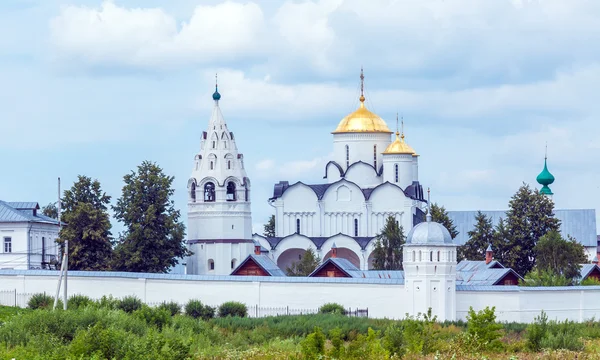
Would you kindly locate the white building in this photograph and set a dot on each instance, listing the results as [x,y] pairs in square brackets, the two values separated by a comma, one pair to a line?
[219,217]
[28,238]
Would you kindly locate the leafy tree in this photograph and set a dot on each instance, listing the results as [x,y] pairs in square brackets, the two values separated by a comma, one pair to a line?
[538,277]
[483,328]
[50,211]
[480,238]
[84,210]
[154,237]
[530,216]
[387,254]
[269,227]
[440,215]
[306,265]
[560,256]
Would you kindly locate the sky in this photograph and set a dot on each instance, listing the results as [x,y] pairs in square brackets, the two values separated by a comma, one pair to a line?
[96,87]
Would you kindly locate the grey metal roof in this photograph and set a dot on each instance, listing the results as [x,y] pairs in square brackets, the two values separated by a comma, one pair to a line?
[267,264]
[428,232]
[586,269]
[482,277]
[473,265]
[343,264]
[378,274]
[24,205]
[513,288]
[578,223]
[9,213]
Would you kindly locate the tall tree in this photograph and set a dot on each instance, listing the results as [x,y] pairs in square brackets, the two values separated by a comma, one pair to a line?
[440,215]
[306,265]
[269,227]
[530,216]
[85,212]
[153,239]
[560,256]
[387,254]
[480,237]
[50,211]
[500,242]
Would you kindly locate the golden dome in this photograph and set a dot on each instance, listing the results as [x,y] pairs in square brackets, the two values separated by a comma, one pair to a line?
[362,120]
[399,146]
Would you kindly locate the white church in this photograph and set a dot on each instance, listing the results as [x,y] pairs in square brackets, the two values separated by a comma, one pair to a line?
[374,174]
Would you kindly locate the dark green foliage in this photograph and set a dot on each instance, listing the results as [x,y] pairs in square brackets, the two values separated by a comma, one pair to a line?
[130,304]
[530,216]
[559,256]
[99,342]
[156,317]
[393,340]
[440,215]
[197,310]
[313,346]
[337,343]
[84,209]
[153,240]
[78,301]
[172,307]
[544,278]
[590,281]
[332,308]
[483,329]
[307,264]
[50,211]
[107,302]
[387,254]
[367,347]
[420,333]
[41,301]
[233,308]
[269,227]
[544,334]
[480,237]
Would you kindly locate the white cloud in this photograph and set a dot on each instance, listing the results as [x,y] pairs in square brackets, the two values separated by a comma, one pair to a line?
[151,37]
[266,164]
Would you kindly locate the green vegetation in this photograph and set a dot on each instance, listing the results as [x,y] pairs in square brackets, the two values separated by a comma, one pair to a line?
[387,254]
[101,330]
[332,308]
[233,308]
[306,265]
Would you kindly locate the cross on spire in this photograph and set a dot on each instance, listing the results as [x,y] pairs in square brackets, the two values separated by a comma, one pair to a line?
[362,85]
[402,127]
[546,153]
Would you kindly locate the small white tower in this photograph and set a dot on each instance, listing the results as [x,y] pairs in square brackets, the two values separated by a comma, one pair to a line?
[219,215]
[400,161]
[430,270]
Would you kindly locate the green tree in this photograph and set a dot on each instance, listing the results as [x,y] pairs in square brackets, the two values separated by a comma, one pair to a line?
[269,227]
[538,277]
[84,210]
[387,254]
[440,215]
[306,265]
[50,211]
[530,216]
[482,327]
[500,241]
[153,239]
[480,238]
[560,256]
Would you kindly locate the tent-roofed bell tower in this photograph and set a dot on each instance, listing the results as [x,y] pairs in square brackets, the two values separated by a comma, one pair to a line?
[219,215]
[545,178]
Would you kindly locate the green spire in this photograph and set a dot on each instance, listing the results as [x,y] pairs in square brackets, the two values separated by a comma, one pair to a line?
[545,178]
[216,95]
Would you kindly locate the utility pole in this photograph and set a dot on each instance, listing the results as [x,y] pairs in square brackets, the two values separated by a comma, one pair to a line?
[65,261]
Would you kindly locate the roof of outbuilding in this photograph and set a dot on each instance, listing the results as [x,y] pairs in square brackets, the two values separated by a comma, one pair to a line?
[474,265]
[578,223]
[586,270]
[483,277]
[265,262]
[15,212]
[343,264]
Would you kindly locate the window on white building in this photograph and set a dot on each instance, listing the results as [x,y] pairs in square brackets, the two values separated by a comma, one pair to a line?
[298,226]
[212,165]
[355,227]
[193,192]
[211,264]
[347,156]
[233,263]
[231,191]
[214,144]
[228,164]
[375,157]
[209,192]
[396,170]
[7,245]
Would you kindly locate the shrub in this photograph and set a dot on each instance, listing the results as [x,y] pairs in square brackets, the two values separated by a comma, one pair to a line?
[590,282]
[483,329]
[420,333]
[43,301]
[172,307]
[313,346]
[233,308]
[78,301]
[337,343]
[197,310]
[393,340]
[536,331]
[367,347]
[107,302]
[130,304]
[154,317]
[332,308]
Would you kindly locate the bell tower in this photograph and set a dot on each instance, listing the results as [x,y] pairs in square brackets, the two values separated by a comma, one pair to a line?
[219,213]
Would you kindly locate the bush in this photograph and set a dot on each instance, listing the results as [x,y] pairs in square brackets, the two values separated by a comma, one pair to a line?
[590,282]
[197,310]
[233,308]
[172,307]
[393,340]
[483,329]
[43,301]
[313,346]
[154,317]
[78,301]
[107,302]
[537,331]
[332,308]
[130,304]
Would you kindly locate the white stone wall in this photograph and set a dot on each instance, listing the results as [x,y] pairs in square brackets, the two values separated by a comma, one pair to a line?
[27,251]
[382,300]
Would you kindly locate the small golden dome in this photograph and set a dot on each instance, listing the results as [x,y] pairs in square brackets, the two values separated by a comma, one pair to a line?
[399,146]
[362,120]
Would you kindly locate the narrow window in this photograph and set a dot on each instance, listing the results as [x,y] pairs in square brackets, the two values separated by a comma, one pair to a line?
[225,144]
[228,164]
[7,245]
[438,256]
[231,191]
[420,255]
[431,256]
[43,250]
[211,264]
[413,258]
[298,226]
[396,170]
[214,144]
[355,227]
[212,165]
[209,192]
[233,263]
[246,193]
[375,156]
[193,192]
[347,156]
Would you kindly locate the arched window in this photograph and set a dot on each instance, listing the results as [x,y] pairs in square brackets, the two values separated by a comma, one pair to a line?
[431,256]
[193,192]
[375,156]
[347,156]
[438,259]
[396,171]
[209,192]
[233,264]
[420,255]
[228,164]
[355,227]
[413,258]
[231,191]
[214,144]
[211,264]
[212,165]
[246,194]
[298,226]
